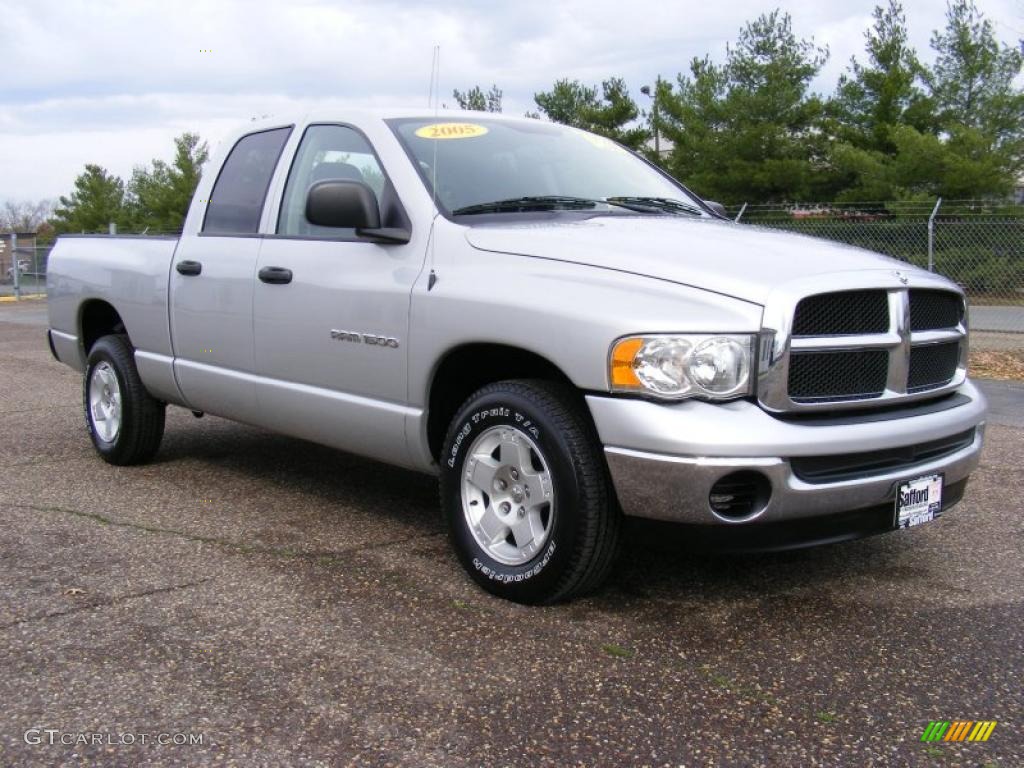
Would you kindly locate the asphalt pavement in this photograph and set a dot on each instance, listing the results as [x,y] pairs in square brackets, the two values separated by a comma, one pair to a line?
[285,604]
[1005,402]
[998,318]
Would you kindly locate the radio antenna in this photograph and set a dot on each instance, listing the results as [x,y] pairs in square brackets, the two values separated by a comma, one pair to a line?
[435,87]
[435,67]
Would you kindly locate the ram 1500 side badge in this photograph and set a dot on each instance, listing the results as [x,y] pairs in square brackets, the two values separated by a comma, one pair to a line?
[364,338]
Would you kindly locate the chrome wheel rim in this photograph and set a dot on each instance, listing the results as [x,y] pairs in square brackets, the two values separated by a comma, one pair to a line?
[105,402]
[507,495]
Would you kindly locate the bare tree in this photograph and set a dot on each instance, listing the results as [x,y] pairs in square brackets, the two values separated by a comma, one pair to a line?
[25,215]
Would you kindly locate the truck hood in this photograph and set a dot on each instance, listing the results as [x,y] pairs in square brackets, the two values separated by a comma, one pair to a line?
[737,260]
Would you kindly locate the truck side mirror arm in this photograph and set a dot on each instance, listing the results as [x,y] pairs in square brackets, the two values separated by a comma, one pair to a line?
[385,235]
[717,208]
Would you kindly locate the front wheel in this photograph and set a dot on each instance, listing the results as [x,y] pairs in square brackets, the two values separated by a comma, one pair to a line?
[126,424]
[526,493]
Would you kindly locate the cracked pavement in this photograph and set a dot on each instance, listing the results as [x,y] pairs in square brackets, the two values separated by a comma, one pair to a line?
[299,606]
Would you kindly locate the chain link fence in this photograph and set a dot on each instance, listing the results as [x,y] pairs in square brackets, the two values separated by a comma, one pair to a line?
[978,245]
[22,269]
[31,261]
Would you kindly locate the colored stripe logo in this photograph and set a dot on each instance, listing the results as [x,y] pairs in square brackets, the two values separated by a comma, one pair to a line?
[958,730]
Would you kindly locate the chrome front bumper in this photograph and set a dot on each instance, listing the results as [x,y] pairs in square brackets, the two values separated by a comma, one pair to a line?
[664,459]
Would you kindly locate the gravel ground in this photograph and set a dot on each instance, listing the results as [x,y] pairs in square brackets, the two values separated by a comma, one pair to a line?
[291,605]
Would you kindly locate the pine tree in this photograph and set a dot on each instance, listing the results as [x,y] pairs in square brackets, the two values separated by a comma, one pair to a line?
[476,99]
[98,199]
[613,113]
[747,130]
[962,138]
[873,98]
[972,85]
[162,194]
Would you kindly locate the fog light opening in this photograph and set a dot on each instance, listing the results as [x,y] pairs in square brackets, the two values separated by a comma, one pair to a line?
[740,496]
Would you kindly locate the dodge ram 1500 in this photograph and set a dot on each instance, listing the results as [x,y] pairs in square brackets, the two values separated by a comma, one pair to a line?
[558,329]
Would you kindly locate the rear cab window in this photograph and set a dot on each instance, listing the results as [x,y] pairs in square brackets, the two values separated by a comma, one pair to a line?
[236,203]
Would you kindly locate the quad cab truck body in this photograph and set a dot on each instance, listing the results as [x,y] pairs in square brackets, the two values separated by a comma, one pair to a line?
[560,331]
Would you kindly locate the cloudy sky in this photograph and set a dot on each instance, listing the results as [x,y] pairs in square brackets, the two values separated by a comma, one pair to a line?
[113,81]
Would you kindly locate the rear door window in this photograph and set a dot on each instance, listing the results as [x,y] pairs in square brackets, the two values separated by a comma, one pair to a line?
[236,204]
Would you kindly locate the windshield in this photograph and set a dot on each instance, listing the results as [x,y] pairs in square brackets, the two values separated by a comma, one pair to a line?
[481,161]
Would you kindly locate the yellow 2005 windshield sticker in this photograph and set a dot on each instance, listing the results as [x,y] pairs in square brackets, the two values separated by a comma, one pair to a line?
[451,131]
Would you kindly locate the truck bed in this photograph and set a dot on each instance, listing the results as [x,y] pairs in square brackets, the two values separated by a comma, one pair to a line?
[130,272]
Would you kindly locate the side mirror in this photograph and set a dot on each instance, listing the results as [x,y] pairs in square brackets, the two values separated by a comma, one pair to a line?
[717,208]
[342,204]
[350,205]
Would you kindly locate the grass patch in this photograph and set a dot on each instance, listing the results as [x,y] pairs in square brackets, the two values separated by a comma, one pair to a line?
[746,691]
[617,651]
[933,752]
[824,716]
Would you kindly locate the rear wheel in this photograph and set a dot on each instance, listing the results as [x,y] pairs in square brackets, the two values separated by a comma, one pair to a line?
[526,493]
[125,423]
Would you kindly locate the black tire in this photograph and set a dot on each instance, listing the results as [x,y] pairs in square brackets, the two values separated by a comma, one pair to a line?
[584,529]
[142,417]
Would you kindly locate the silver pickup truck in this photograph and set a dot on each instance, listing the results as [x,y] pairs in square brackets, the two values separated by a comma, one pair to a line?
[559,330]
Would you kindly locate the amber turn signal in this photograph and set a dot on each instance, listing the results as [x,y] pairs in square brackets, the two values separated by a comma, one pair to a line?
[622,363]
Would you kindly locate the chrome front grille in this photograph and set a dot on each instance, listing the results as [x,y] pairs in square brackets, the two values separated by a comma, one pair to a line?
[864,347]
[843,313]
[932,366]
[930,310]
[836,376]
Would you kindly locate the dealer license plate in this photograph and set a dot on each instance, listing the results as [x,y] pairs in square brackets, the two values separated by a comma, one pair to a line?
[918,501]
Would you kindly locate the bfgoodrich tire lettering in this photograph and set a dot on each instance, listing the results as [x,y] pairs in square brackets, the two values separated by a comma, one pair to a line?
[565,551]
[125,423]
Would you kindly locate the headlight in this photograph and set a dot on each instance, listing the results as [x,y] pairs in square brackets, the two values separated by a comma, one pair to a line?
[716,367]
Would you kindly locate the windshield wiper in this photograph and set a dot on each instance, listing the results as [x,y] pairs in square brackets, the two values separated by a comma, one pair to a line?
[664,204]
[529,203]
[566,202]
